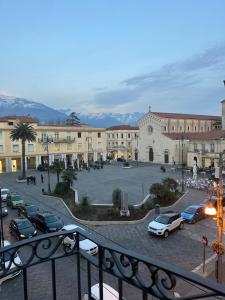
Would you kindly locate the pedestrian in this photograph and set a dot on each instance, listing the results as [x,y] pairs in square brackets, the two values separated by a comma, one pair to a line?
[28,180]
[34,180]
[42,178]
[31,179]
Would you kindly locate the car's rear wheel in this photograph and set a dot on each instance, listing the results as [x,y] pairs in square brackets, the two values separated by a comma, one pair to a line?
[181,226]
[166,234]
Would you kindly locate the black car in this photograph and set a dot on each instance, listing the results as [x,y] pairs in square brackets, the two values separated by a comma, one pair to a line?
[48,222]
[28,211]
[22,228]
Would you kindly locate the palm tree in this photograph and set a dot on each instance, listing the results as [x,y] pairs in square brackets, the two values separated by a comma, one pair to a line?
[24,132]
[57,167]
[69,176]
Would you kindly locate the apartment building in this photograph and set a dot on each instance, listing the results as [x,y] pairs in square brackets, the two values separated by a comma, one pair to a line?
[69,143]
[122,141]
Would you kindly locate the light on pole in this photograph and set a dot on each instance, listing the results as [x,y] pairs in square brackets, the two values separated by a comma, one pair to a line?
[136,150]
[89,141]
[218,213]
[1,223]
[46,142]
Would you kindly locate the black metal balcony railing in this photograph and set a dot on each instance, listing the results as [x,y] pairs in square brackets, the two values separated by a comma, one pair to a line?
[57,140]
[148,276]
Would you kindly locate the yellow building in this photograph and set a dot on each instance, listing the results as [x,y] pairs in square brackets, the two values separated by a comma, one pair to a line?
[122,142]
[72,144]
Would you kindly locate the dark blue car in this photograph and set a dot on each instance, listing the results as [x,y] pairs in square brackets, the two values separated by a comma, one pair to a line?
[193,213]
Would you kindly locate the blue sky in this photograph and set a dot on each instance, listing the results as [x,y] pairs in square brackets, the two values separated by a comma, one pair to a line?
[115,56]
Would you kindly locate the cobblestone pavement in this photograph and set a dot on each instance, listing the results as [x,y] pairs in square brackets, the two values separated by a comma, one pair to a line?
[182,248]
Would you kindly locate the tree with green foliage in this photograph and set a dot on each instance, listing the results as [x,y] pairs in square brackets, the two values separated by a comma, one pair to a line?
[26,133]
[72,119]
[69,176]
[170,183]
[117,198]
[158,190]
[57,167]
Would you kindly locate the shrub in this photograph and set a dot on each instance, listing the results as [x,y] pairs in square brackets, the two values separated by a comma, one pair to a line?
[61,188]
[163,169]
[131,208]
[41,168]
[116,198]
[112,211]
[85,202]
[158,190]
[170,183]
[126,164]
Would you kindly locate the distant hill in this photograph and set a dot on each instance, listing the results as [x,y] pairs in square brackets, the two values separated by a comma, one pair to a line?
[46,114]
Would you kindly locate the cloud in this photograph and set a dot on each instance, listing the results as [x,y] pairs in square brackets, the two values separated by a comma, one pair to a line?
[179,83]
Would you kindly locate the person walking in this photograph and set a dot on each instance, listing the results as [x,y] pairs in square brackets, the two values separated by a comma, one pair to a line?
[42,178]
[28,180]
[34,180]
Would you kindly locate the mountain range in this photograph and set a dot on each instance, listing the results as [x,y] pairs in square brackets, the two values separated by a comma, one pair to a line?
[45,114]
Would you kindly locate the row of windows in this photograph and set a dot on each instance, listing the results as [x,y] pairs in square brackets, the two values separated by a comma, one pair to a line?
[16,148]
[117,135]
[56,135]
[203,147]
[116,143]
[181,128]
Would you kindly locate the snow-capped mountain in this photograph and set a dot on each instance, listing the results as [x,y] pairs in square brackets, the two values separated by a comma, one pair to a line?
[44,113]
[20,106]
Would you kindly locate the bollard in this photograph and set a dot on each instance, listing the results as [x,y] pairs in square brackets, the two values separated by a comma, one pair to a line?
[157,209]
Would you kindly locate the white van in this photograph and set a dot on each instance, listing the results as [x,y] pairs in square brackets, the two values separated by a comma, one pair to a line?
[108,293]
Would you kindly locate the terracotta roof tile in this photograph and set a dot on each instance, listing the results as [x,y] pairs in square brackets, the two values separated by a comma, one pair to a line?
[186,116]
[208,135]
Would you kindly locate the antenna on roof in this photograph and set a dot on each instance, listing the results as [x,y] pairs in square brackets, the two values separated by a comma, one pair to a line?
[149,108]
[224,82]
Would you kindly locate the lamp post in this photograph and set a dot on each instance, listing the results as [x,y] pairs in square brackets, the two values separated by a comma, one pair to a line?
[218,213]
[46,142]
[89,140]
[1,223]
[136,150]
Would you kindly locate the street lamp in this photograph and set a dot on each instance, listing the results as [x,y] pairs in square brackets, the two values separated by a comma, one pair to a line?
[1,223]
[89,140]
[218,213]
[136,150]
[46,142]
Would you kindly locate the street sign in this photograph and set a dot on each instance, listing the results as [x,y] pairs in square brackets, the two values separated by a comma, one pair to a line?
[205,240]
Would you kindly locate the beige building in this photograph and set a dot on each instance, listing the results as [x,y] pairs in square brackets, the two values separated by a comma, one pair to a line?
[69,143]
[164,137]
[122,141]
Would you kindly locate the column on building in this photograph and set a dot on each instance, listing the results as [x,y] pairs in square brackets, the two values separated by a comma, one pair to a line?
[95,156]
[26,158]
[38,160]
[85,157]
[74,158]
[8,164]
[104,156]
[64,159]
[51,159]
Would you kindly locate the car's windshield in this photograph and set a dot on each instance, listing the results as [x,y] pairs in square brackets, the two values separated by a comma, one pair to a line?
[190,210]
[16,198]
[51,219]
[32,209]
[162,219]
[4,204]
[23,224]
[4,192]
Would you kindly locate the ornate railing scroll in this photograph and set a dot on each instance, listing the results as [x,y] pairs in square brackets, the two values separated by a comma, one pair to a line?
[149,275]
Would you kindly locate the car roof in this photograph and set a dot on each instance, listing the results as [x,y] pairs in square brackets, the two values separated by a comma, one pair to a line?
[4,190]
[18,220]
[108,292]
[71,226]
[194,206]
[46,213]
[170,214]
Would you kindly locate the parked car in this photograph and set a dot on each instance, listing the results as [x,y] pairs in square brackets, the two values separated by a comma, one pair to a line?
[4,194]
[165,223]
[22,228]
[193,213]
[4,209]
[14,200]
[6,261]
[85,244]
[48,222]
[108,293]
[28,211]
[121,159]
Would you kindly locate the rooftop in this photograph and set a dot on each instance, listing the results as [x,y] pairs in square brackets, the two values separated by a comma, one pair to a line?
[25,119]
[208,135]
[123,127]
[186,116]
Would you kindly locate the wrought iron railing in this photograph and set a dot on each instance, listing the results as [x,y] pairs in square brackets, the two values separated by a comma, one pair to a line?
[143,275]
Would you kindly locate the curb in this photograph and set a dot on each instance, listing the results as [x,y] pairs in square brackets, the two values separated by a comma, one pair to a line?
[102,223]
[209,267]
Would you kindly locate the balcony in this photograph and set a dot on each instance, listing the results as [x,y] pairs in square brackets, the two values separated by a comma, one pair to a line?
[57,140]
[134,276]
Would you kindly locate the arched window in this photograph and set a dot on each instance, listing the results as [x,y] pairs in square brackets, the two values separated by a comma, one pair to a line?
[166,156]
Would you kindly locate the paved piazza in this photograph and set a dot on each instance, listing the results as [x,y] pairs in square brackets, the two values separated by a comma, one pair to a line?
[182,248]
